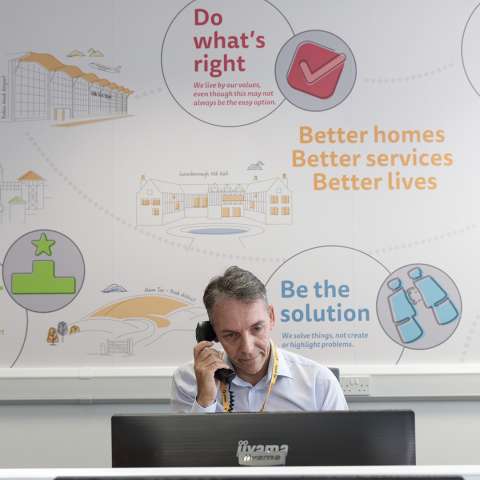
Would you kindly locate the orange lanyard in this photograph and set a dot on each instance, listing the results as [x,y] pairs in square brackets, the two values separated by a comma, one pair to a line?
[224,388]
[225,399]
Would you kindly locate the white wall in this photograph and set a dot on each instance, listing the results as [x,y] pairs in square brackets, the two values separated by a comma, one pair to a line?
[79,435]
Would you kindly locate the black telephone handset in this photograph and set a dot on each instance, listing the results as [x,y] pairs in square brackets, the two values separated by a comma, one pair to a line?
[204,331]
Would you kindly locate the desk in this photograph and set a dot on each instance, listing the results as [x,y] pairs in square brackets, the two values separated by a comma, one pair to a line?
[470,472]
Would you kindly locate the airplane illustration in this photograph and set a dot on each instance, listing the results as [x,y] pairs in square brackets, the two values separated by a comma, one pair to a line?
[105,68]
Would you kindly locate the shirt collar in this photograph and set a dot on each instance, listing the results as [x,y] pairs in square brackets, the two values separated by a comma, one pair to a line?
[283,368]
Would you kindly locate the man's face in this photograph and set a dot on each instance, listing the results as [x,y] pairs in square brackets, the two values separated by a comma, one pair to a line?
[244,329]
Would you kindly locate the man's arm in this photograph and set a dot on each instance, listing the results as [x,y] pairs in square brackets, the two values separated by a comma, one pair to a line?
[206,360]
[194,388]
[184,391]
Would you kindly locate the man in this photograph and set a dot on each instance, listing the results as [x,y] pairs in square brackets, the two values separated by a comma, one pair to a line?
[267,378]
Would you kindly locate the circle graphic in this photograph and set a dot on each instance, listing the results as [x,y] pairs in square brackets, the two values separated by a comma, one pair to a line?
[419,306]
[43,271]
[315,70]
[218,60]
[469,49]
[324,299]
[13,330]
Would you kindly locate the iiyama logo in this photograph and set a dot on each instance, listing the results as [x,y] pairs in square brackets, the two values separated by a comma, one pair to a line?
[245,449]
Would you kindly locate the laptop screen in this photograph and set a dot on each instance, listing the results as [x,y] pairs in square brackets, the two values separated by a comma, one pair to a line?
[264,439]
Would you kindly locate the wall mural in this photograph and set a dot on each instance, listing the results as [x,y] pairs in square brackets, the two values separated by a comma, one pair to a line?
[330,151]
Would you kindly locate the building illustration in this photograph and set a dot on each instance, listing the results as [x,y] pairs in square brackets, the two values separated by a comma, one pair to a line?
[40,87]
[266,201]
[17,210]
[21,197]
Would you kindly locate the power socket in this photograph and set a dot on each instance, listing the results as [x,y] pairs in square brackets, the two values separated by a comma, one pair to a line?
[355,385]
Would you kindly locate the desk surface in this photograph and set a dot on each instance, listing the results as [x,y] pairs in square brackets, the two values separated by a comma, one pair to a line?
[468,472]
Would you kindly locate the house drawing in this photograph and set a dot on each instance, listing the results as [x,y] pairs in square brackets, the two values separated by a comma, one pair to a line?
[266,201]
[20,197]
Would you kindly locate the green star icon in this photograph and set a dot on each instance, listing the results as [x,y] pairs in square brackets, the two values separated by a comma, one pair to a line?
[44,245]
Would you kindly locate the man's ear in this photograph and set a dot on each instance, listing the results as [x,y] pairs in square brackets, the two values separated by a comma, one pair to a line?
[271,315]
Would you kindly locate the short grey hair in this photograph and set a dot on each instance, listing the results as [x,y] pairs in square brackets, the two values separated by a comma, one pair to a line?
[237,284]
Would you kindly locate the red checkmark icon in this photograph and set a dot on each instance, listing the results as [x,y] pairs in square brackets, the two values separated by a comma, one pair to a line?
[312,77]
[316,70]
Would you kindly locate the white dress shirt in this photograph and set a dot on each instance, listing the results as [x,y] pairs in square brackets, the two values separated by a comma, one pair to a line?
[302,385]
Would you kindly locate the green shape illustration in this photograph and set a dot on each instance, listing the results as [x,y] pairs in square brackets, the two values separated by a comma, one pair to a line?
[43,271]
[44,245]
[42,280]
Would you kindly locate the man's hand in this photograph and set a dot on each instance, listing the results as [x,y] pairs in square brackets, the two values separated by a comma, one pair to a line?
[206,361]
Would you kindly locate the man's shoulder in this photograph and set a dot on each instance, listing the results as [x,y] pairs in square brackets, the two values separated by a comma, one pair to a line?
[185,373]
